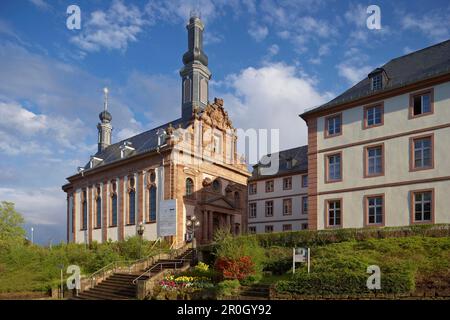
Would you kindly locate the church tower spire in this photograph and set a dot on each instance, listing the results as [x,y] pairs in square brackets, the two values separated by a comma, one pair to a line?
[195,74]
[104,127]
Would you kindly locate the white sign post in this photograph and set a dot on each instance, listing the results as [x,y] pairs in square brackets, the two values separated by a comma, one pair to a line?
[300,255]
[167,218]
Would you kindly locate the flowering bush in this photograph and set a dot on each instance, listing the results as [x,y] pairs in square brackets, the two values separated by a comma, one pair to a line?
[171,282]
[239,268]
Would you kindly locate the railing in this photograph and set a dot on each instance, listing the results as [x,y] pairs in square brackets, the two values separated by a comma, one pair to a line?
[130,264]
[174,262]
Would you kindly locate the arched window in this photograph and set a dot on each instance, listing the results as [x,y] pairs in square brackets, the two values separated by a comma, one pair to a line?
[85,213]
[189,187]
[98,221]
[237,200]
[132,202]
[187,90]
[152,204]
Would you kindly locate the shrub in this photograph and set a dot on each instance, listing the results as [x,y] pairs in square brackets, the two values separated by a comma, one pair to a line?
[228,288]
[322,237]
[237,268]
[251,279]
[348,283]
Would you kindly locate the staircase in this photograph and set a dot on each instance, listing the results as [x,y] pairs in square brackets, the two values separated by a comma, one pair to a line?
[120,286]
[254,292]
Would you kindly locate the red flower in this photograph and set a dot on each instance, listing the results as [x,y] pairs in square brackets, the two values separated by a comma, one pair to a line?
[235,269]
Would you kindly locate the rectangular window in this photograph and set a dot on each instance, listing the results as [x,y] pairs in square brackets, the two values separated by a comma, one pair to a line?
[85,216]
[269,186]
[305,181]
[269,208]
[333,125]
[152,204]
[269,229]
[252,188]
[333,167]
[287,207]
[99,212]
[252,210]
[374,160]
[287,227]
[252,230]
[114,210]
[131,207]
[377,82]
[422,206]
[422,153]
[374,210]
[334,213]
[373,116]
[287,183]
[421,103]
[305,205]
[304,226]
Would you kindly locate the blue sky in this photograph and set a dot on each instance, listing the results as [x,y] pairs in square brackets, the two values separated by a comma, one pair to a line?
[270,60]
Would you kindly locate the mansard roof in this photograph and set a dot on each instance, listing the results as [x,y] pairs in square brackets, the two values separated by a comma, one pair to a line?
[143,142]
[414,67]
[299,163]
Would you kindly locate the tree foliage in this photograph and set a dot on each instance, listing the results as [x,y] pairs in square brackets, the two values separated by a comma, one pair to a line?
[10,223]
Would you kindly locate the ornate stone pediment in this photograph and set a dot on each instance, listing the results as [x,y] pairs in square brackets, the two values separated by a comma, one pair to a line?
[220,202]
[216,116]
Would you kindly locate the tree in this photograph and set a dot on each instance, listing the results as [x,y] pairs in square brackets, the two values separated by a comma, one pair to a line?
[10,222]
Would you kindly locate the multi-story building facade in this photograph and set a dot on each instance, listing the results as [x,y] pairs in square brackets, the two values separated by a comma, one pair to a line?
[378,154]
[279,202]
[164,176]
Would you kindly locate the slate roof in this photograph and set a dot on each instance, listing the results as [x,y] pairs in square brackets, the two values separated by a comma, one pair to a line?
[143,142]
[416,66]
[299,157]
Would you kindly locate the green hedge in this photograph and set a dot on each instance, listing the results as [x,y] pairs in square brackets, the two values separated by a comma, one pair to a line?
[322,237]
[348,283]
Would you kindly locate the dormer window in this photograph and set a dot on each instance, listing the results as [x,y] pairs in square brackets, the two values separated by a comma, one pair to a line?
[94,161]
[288,163]
[162,135]
[377,82]
[125,149]
[378,79]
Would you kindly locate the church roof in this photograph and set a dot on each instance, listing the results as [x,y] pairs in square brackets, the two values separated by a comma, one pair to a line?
[143,142]
[414,67]
[291,161]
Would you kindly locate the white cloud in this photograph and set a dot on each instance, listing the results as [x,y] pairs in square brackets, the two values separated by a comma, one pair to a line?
[272,97]
[258,32]
[356,67]
[111,29]
[434,25]
[38,205]
[35,130]
[41,4]
[353,74]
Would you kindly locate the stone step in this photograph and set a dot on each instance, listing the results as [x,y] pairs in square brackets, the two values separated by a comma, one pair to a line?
[131,293]
[102,296]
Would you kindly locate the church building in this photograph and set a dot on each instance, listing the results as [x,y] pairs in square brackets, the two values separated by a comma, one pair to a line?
[154,183]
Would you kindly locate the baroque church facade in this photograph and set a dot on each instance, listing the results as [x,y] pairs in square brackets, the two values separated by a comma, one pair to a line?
[156,181]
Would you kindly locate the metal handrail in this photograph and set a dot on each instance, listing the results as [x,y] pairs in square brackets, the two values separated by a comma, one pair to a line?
[129,262]
[160,264]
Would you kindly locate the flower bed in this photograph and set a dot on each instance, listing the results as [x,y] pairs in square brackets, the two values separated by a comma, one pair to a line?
[172,282]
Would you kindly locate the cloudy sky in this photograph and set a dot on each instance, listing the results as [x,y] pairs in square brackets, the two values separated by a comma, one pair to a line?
[270,60]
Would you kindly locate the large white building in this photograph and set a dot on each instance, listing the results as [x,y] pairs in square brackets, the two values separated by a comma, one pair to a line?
[378,154]
[280,202]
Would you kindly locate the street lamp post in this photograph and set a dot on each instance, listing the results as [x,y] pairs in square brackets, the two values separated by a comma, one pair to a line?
[191,224]
[140,231]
